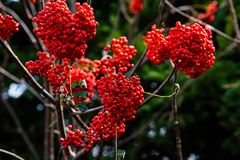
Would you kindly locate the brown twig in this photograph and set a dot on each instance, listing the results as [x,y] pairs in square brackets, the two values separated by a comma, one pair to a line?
[202,23]
[36,85]
[160,87]
[11,154]
[20,129]
[176,122]
[137,65]
[234,18]
[15,79]
[22,24]
[160,9]
[89,110]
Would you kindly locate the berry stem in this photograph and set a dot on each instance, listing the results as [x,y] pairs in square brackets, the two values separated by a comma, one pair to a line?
[167,96]
[176,122]
[160,87]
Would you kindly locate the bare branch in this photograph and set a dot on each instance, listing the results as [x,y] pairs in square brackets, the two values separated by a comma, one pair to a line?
[20,129]
[89,110]
[176,122]
[11,154]
[202,23]
[15,79]
[160,87]
[36,85]
[235,20]
[21,22]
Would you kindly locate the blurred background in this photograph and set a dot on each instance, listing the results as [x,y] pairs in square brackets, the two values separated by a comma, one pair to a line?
[209,106]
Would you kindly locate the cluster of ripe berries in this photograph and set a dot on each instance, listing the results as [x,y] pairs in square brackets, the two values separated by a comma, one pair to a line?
[7,26]
[135,6]
[209,14]
[121,96]
[64,33]
[190,48]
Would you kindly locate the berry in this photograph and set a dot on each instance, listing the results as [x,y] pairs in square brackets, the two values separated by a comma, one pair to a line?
[7,26]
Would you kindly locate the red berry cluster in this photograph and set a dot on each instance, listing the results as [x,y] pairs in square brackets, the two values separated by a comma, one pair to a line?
[103,127]
[120,97]
[135,6]
[73,138]
[122,54]
[190,48]
[45,67]
[156,45]
[7,26]
[209,15]
[63,33]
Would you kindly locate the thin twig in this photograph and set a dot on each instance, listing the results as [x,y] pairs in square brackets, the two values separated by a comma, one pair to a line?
[160,87]
[202,23]
[11,154]
[136,66]
[21,22]
[15,79]
[79,154]
[89,2]
[20,129]
[235,19]
[160,9]
[116,144]
[89,110]
[176,122]
[42,4]
[36,85]
[124,12]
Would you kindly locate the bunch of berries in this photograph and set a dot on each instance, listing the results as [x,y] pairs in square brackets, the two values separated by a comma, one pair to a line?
[209,15]
[120,97]
[73,138]
[63,33]
[122,54]
[157,50]
[46,67]
[189,48]
[7,26]
[135,6]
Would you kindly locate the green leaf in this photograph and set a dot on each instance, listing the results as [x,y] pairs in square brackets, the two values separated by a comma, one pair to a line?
[82,94]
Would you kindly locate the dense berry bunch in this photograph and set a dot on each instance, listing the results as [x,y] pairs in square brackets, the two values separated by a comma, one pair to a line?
[120,95]
[156,45]
[7,26]
[122,54]
[73,138]
[209,15]
[45,67]
[103,127]
[135,6]
[191,48]
[63,33]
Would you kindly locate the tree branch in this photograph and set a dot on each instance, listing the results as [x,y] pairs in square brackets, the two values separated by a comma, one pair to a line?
[20,129]
[36,85]
[235,20]
[11,154]
[160,87]
[202,23]
[176,122]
